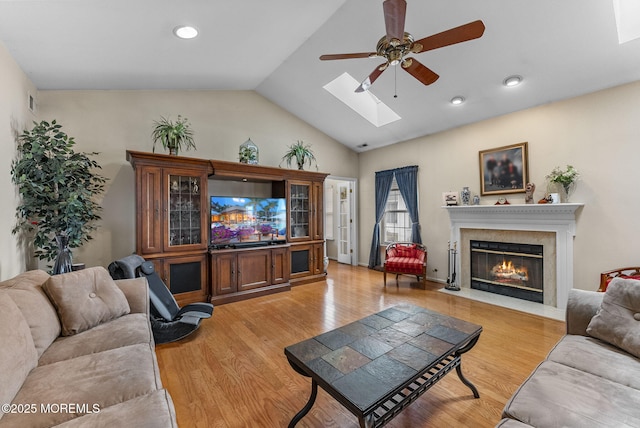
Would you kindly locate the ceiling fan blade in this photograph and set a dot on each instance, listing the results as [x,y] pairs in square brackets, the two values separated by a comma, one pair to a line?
[463,33]
[419,71]
[366,83]
[395,12]
[348,56]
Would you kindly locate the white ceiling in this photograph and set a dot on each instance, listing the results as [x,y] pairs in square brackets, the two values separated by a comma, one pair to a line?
[561,48]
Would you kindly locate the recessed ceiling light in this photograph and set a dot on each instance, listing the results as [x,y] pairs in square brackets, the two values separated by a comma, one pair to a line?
[512,80]
[185,32]
[457,100]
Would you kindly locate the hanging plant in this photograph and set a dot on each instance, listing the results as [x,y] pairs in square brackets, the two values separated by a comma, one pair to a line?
[57,186]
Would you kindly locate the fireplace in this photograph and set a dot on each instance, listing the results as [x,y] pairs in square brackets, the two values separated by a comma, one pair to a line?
[552,225]
[510,269]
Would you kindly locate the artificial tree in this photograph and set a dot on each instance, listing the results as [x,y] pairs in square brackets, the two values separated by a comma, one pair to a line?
[58,187]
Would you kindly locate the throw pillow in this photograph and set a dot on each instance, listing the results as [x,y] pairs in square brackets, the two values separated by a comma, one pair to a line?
[618,320]
[406,250]
[85,299]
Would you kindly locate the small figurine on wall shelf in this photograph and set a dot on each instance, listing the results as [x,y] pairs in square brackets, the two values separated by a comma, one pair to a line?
[502,201]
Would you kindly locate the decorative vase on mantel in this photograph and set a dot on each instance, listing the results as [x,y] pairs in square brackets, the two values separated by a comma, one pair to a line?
[563,191]
[63,263]
[465,195]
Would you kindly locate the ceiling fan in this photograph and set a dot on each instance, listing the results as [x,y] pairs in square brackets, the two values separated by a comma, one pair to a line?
[397,44]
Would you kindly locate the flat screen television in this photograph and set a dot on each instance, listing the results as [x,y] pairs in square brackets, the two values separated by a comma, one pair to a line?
[246,220]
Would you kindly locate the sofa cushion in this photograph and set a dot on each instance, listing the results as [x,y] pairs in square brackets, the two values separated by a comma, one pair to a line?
[126,330]
[556,395]
[152,410]
[26,291]
[618,319]
[18,355]
[102,379]
[85,299]
[599,358]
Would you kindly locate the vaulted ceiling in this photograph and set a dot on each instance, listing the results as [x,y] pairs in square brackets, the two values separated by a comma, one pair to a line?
[562,49]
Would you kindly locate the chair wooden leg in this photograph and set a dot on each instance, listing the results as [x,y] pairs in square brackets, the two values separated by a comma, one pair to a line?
[385,278]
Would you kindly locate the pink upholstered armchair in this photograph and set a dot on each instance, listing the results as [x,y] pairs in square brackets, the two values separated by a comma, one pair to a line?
[405,258]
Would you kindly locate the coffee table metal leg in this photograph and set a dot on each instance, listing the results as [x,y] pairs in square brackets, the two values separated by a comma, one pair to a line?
[367,421]
[464,380]
[312,398]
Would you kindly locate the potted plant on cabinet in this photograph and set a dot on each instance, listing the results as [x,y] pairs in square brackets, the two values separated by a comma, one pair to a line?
[172,135]
[302,154]
[58,187]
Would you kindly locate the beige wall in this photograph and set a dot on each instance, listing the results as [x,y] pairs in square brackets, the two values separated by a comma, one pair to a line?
[596,133]
[14,117]
[110,122]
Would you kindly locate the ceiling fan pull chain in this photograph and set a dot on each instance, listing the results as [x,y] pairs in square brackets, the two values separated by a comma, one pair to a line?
[395,82]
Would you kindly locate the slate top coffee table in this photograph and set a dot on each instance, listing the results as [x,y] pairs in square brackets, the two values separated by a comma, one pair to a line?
[377,366]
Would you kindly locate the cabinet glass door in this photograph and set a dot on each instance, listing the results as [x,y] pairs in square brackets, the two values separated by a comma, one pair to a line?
[185,214]
[299,221]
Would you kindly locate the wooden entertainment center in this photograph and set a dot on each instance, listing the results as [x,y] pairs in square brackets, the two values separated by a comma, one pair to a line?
[173,228]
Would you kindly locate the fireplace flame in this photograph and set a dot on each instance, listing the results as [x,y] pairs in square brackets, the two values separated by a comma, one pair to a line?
[507,271]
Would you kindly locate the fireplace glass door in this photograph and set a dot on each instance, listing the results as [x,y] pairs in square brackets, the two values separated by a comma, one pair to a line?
[514,270]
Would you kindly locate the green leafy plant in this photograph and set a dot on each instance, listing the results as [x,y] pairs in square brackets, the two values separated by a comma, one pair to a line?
[302,154]
[57,186]
[172,135]
[247,155]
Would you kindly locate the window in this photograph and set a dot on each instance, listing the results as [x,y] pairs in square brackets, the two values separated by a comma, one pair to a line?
[396,223]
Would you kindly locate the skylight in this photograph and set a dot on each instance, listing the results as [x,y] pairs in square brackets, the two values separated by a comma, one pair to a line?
[627,19]
[364,103]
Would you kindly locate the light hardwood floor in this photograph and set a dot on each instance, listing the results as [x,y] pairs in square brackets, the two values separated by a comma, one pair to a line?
[233,372]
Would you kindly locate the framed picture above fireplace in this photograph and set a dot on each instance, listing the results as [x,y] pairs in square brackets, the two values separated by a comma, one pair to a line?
[504,169]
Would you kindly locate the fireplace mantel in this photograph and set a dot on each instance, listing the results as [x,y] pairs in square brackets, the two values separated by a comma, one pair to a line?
[537,213]
[557,218]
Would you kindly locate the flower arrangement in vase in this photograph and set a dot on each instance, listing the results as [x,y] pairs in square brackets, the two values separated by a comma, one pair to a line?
[566,179]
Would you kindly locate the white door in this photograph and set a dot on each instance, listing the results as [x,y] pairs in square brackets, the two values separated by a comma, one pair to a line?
[344,223]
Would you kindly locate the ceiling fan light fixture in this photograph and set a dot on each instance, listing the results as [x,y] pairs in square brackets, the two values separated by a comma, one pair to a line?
[185,32]
[511,81]
[457,100]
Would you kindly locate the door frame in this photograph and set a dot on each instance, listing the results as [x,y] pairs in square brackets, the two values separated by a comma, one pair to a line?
[353,207]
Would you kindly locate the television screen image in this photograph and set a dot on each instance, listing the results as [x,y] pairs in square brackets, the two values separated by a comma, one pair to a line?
[235,219]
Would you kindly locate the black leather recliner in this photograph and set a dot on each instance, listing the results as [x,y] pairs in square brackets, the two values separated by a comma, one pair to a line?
[169,322]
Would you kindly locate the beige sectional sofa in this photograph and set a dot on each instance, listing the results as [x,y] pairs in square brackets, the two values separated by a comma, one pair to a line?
[591,378]
[76,350]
